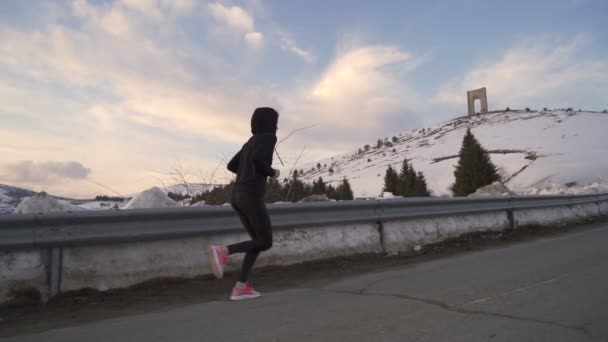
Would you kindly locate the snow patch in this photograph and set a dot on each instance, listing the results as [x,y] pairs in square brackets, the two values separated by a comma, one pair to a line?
[494,189]
[597,187]
[43,203]
[387,195]
[101,205]
[151,198]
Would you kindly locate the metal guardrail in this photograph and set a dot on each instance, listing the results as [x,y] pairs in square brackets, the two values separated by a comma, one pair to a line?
[99,227]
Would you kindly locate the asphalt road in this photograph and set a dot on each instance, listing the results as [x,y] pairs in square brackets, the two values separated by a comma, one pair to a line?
[551,289]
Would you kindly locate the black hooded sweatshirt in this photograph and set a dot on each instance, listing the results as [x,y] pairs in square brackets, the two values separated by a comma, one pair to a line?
[253,163]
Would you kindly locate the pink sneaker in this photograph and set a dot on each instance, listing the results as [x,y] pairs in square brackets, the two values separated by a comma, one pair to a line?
[218,259]
[245,293]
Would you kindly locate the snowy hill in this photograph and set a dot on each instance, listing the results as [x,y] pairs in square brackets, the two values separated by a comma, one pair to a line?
[537,152]
[11,196]
[182,189]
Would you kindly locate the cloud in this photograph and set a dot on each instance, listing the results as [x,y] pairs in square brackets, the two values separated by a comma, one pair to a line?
[41,172]
[149,8]
[254,39]
[113,20]
[359,95]
[288,44]
[154,84]
[106,89]
[533,71]
[237,22]
[233,17]
[181,5]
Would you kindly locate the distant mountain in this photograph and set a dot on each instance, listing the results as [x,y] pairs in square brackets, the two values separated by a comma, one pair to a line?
[11,196]
[183,189]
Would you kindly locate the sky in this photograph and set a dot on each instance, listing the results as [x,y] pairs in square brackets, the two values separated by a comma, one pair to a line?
[113,97]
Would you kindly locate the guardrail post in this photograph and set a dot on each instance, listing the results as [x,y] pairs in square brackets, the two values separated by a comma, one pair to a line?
[510,214]
[511,219]
[54,267]
[380,226]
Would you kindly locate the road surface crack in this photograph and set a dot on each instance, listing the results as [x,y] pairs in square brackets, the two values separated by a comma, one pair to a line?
[461,310]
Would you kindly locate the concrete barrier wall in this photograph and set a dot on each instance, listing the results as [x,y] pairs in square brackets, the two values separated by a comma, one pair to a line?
[603,208]
[20,271]
[120,265]
[104,267]
[108,266]
[402,236]
[298,245]
[556,216]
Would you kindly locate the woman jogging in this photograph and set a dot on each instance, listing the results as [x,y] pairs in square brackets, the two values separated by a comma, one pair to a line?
[252,165]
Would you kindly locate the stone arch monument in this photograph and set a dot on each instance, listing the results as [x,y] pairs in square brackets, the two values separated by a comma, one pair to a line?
[477,94]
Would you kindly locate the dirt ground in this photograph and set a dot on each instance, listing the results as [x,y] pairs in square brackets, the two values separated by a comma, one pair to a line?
[27,315]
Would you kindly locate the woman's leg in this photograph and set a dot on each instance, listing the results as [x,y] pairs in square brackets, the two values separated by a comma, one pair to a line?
[255,215]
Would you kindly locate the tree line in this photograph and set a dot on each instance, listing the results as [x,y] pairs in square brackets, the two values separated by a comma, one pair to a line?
[290,190]
[474,170]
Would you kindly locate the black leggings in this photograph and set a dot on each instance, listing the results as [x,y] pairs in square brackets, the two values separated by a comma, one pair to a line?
[254,216]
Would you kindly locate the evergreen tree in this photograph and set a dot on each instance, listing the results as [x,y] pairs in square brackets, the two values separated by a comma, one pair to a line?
[218,195]
[411,182]
[391,180]
[274,191]
[330,191]
[344,191]
[405,185]
[474,169]
[296,189]
[318,187]
[420,188]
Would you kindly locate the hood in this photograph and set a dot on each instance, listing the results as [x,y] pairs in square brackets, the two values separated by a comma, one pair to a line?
[264,120]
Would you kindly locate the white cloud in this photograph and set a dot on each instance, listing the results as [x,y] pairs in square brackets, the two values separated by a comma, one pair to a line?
[254,39]
[140,93]
[112,20]
[181,5]
[238,23]
[288,44]
[358,72]
[356,98]
[117,87]
[149,8]
[232,17]
[536,70]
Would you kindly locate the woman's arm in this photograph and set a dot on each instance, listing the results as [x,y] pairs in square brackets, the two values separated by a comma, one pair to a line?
[233,164]
[262,155]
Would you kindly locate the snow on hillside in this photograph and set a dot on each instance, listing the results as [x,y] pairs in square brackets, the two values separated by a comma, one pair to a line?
[11,196]
[44,203]
[182,189]
[191,188]
[101,205]
[535,151]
